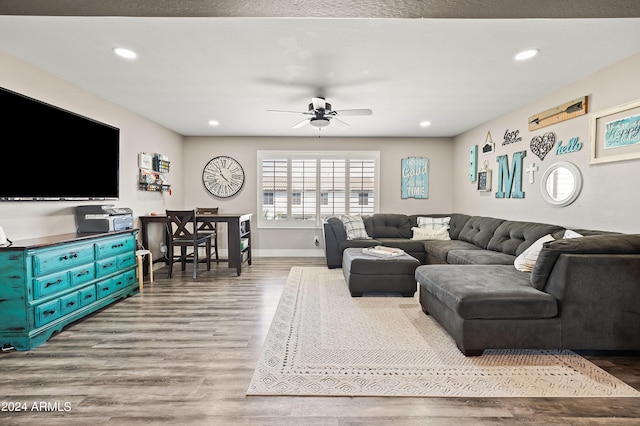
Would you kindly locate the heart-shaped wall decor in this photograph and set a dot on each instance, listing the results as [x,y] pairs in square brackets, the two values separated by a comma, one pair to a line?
[542,145]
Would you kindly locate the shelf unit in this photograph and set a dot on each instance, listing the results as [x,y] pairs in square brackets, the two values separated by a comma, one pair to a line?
[151,170]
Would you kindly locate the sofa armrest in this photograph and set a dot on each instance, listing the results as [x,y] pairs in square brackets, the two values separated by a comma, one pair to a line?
[598,300]
[598,244]
[334,233]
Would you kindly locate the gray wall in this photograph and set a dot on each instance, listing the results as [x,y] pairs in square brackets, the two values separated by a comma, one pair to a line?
[269,242]
[610,197]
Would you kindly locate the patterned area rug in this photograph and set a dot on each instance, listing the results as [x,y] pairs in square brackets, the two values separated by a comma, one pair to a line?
[324,342]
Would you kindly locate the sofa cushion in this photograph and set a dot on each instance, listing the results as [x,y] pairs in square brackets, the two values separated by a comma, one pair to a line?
[456,223]
[528,258]
[402,243]
[391,225]
[354,227]
[479,230]
[597,244]
[486,291]
[514,238]
[430,234]
[479,257]
[441,248]
[345,244]
[432,222]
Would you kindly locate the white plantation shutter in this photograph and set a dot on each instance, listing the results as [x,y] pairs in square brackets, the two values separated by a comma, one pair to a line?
[302,189]
[333,187]
[274,188]
[361,194]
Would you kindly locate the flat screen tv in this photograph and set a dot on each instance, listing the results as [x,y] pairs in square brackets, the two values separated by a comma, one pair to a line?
[54,154]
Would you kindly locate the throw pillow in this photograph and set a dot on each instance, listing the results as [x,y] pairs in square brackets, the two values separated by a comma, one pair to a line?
[430,234]
[354,226]
[433,222]
[571,234]
[528,258]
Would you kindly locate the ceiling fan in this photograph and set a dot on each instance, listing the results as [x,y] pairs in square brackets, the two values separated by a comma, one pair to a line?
[320,113]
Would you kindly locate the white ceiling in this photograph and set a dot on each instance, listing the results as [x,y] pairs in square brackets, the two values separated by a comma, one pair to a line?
[456,73]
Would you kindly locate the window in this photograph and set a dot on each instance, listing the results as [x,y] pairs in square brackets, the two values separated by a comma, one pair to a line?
[302,189]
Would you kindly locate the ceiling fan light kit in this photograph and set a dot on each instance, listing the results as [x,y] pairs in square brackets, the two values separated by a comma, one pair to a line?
[319,123]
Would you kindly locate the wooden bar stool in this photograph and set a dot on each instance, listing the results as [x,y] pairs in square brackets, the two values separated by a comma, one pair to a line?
[140,254]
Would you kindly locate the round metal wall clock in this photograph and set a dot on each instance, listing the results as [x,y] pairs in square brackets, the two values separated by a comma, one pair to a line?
[223,176]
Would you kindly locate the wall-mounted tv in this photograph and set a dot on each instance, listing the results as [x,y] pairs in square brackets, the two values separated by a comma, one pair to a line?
[54,154]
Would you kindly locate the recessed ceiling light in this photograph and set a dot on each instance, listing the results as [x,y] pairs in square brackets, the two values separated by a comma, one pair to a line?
[526,54]
[425,123]
[125,53]
[214,123]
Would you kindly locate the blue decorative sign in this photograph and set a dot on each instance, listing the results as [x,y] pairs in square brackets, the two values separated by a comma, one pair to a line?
[510,180]
[623,132]
[415,177]
[574,145]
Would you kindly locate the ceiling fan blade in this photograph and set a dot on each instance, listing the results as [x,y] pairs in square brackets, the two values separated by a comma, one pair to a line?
[291,112]
[300,124]
[340,122]
[319,103]
[345,112]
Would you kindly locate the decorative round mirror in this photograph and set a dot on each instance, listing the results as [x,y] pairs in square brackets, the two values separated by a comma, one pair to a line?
[561,184]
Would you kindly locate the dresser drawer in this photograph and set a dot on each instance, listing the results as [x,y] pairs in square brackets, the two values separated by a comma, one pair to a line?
[47,312]
[69,303]
[106,266]
[115,246]
[61,259]
[50,284]
[104,288]
[88,295]
[119,282]
[126,260]
[82,274]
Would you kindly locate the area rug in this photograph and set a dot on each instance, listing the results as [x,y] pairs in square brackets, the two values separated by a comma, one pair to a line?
[324,342]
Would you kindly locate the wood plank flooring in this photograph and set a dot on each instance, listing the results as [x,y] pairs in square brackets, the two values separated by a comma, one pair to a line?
[183,352]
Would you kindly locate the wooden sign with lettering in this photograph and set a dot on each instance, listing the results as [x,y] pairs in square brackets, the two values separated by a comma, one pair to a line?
[558,114]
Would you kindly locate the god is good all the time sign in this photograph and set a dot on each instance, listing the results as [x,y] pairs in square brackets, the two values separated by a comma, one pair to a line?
[415,177]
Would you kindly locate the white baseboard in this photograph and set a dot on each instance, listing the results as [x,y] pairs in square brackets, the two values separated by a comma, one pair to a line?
[288,253]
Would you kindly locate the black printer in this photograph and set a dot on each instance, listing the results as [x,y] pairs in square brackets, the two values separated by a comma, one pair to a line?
[95,219]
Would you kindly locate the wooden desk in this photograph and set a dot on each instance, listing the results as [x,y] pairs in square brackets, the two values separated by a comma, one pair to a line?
[238,228]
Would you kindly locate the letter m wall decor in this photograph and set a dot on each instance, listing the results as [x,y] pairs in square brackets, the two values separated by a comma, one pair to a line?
[510,180]
[415,177]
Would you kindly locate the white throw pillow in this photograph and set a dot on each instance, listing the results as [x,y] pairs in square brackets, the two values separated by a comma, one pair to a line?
[571,234]
[433,222]
[528,258]
[354,225]
[430,234]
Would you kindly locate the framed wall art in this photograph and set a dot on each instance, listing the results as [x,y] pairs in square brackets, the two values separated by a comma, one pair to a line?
[415,177]
[615,133]
[484,180]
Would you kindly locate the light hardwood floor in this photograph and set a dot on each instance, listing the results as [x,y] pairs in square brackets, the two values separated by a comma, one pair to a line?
[183,352]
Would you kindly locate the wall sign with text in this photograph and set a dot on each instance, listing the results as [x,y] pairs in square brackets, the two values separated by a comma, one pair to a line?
[415,177]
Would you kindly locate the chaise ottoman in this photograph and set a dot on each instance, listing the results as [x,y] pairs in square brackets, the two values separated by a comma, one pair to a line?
[365,273]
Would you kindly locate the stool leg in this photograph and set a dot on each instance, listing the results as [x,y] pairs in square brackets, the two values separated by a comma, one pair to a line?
[140,277]
[150,267]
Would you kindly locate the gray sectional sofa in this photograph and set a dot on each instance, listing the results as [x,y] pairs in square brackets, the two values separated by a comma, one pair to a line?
[582,293]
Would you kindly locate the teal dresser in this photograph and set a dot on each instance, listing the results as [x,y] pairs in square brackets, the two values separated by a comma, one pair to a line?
[48,283]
